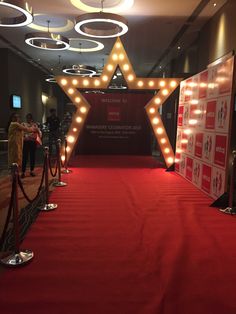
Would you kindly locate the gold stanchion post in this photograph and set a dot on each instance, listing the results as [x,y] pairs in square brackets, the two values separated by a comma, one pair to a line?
[66,170]
[18,257]
[48,206]
[231,209]
[59,183]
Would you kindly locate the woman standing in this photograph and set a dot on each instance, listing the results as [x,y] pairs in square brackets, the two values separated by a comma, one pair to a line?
[30,145]
[15,139]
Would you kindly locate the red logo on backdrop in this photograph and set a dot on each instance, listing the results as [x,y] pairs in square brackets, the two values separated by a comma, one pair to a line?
[113,113]
[203,84]
[198,145]
[210,114]
[189,169]
[220,150]
[206,178]
[180,115]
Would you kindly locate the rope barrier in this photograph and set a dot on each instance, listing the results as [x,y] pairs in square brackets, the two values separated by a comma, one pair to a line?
[9,213]
[17,257]
[231,209]
[55,166]
[39,189]
[59,183]
[47,206]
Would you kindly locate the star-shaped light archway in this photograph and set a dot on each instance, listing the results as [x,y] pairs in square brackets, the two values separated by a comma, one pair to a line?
[118,58]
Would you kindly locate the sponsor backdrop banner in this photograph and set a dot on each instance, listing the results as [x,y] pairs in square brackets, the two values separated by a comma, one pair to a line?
[202,140]
[117,124]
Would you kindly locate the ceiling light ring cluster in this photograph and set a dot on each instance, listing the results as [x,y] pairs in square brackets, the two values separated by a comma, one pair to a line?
[99,45]
[55,41]
[118,25]
[80,70]
[21,6]
[122,6]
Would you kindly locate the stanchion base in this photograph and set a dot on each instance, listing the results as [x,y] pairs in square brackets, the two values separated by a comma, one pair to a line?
[17,259]
[60,183]
[229,210]
[48,207]
[66,171]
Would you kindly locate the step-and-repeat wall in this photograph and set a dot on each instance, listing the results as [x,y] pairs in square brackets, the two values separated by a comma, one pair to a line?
[204,115]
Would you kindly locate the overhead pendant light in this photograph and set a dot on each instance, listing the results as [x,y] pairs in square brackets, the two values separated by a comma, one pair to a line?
[101,24]
[47,40]
[80,70]
[21,7]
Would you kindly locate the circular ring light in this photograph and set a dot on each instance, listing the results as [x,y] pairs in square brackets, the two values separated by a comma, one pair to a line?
[80,70]
[21,7]
[47,41]
[67,24]
[92,25]
[99,46]
[115,6]
[117,87]
[51,79]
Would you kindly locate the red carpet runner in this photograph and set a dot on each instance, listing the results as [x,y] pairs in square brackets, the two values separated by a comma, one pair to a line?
[126,240]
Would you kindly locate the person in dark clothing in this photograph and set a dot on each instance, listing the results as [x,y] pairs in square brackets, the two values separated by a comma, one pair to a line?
[53,123]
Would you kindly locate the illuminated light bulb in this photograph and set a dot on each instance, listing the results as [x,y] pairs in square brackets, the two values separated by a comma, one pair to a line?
[202,85]
[173,84]
[177,160]
[71,91]
[105,78]
[194,102]
[121,56]
[85,82]
[162,83]
[192,121]
[74,129]
[140,83]
[165,92]
[188,92]
[114,57]
[167,150]
[96,82]
[77,100]
[152,110]
[130,77]
[184,141]
[159,130]
[63,82]
[110,67]
[70,139]
[74,82]
[211,85]
[170,160]
[63,158]
[151,83]
[187,131]
[79,119]
[126,67]
[155,121]
[118,45]
[197,111]
[163,140]
[68,149]
[178,150]
[83,109]
[157,100]
[192,84]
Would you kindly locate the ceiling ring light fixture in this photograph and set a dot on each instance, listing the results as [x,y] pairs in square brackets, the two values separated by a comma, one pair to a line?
[80,70]
[20,6]
[99,46]
[89,24]
[47,40]
[120,6]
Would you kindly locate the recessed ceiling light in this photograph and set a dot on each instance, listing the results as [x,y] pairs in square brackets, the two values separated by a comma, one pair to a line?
[215,4]
[179,47]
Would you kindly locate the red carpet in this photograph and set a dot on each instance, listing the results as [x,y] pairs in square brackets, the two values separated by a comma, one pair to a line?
[124,240]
